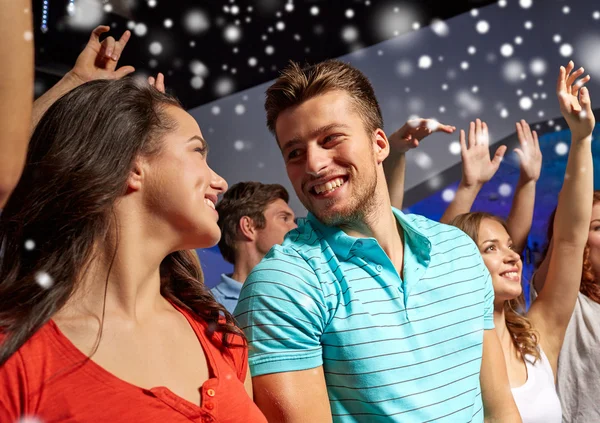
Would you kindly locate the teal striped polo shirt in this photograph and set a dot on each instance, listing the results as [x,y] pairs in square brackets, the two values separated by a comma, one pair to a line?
[392,349]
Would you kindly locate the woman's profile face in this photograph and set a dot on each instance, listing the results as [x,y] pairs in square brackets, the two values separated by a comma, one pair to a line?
[181,189]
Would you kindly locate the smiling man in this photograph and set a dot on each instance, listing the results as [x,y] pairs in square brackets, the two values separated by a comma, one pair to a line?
[364,313]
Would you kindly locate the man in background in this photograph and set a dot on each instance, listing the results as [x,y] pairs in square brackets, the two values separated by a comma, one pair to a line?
[253,217]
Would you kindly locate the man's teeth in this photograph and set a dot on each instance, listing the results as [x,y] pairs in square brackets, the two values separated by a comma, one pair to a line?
[510,274]
[210,203]
[329,186]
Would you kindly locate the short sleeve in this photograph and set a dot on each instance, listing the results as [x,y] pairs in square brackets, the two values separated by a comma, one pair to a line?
[488,316]
[283,313]
[13,389]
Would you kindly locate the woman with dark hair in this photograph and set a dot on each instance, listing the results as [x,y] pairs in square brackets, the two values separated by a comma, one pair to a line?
[103,313]
[532,342]
[579,360]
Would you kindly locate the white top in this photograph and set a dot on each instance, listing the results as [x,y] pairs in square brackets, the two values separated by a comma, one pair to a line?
[579,364]
[537,400]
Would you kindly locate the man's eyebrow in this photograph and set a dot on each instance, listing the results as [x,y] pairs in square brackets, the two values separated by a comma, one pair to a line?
[326,128]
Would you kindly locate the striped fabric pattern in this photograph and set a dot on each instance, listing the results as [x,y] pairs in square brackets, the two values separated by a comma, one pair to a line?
[392,349]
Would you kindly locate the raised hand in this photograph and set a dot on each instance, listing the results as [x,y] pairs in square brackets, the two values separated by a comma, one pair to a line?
[158,82]
[478,168]
[529,154]
[413,131]
[99,60]
[574,101]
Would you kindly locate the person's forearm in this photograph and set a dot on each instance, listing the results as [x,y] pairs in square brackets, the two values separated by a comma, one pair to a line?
[521,213]
[16,91]
[571,224]
[42,104]
[463,201]
[394,168]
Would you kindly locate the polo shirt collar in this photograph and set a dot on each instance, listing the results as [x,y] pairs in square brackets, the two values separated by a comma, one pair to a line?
[342,243]
[230,287]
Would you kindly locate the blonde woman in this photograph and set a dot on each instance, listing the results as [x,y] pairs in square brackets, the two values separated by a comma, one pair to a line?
[532,342]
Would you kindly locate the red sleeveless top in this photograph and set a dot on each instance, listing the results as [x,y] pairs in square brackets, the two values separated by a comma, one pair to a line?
[46,379]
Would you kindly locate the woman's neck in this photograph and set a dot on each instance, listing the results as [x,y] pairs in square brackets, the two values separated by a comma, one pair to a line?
[123,274]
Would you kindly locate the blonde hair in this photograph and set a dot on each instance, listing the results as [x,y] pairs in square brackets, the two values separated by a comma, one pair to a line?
[525,338]
[295,85]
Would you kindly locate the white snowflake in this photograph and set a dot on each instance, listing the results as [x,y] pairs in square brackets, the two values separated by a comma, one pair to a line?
[505,190]
[44,279]
[525,103]
[482,27]
[566,50]
[425,62]
[454,148]
[196,21]
[448,195]
[506,50]
[561,148]
[155,48]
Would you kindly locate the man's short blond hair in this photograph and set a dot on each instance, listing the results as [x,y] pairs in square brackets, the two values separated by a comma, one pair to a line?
[295,85]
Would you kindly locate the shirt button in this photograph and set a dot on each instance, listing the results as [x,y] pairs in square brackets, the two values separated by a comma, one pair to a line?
[210,406]
[379,267]
[210,392]
[359,244]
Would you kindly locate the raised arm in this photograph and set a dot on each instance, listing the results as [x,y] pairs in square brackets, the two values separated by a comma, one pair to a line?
[405,138]
[551,311]
[477,169]
[521,213]
[16,91]
[98,60]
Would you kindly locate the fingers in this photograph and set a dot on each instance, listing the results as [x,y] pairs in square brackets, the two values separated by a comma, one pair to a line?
[118,47]
[449,129]
[160,86]
[579,84]
[123,71]
[498,156]
[573,77]
[485,133]
[585,100]
[520,133]
[521,155]
[536,142]
[570,67]
[478,139]
[463,142]
[99,30]
[472,139]
[561,85]
[108,47]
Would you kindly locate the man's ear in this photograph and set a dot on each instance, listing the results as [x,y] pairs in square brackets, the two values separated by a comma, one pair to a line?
[381,146]
[247,228]
[136,176]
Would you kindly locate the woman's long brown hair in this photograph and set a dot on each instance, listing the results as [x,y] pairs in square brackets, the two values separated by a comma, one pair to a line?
[78,162]
[590,286]
[525,338]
